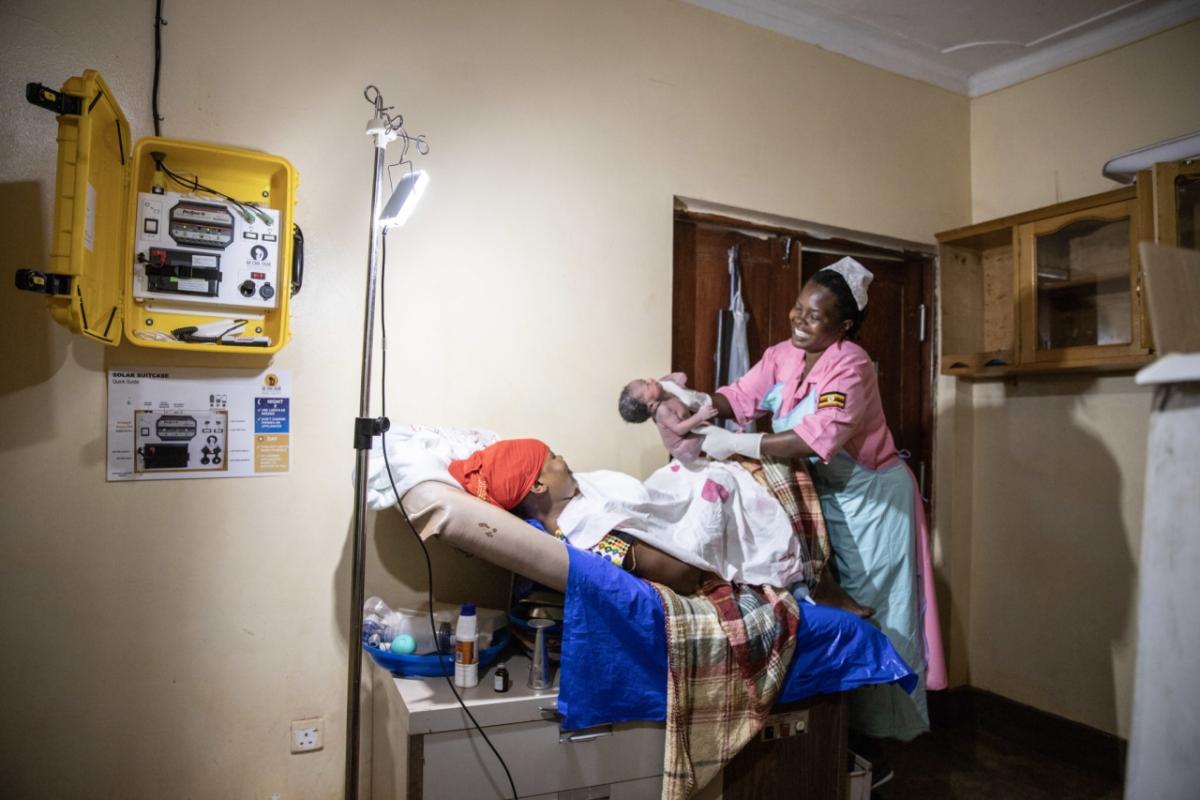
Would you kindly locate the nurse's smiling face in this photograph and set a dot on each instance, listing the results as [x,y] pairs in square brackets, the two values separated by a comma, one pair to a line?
[816,322]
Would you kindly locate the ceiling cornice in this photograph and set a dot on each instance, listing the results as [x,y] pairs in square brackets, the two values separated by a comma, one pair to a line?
[885,53]
[1116,34]
[846,40]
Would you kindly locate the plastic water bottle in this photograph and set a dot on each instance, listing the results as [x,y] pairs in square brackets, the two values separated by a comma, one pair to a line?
[373,630]
[391,623]
[466,655]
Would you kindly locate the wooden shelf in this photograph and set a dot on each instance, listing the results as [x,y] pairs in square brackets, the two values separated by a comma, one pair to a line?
[1122,363]
[1052,285]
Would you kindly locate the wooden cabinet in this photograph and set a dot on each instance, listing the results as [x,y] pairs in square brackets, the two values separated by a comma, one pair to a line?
[1054,289]
[1080,296]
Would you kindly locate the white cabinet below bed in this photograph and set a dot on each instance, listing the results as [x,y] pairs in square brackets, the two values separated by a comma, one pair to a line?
[425,748]
[542,758]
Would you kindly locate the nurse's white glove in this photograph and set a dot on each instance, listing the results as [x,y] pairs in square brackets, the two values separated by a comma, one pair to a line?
[692,399]
[721,444]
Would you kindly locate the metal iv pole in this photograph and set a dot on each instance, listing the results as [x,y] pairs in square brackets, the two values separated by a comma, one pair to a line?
[365,431]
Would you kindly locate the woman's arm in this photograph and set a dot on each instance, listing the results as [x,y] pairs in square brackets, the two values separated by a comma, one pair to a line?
[652,564]
[785,446]
[721,404]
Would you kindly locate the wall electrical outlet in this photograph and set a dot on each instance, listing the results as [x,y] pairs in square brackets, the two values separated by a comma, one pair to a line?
[307,734]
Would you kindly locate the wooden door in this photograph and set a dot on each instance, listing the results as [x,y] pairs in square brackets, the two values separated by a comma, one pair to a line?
[770,283]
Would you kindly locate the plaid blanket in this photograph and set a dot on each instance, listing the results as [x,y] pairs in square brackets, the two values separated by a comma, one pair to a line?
[728,649]
[792,486]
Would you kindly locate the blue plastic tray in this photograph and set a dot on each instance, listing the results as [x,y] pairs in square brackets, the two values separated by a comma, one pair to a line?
[431,666]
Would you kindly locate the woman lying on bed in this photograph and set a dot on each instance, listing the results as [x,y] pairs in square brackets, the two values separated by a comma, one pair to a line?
[680,526]
[523,476]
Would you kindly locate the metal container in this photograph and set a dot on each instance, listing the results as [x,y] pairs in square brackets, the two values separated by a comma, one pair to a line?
[539,666]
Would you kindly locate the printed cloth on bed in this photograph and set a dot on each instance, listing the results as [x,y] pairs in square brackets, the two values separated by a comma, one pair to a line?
[792,486]
[728,650]
[612,548]
[614,665]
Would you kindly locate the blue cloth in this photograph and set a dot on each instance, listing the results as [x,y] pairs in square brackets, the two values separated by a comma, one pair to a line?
[614,650]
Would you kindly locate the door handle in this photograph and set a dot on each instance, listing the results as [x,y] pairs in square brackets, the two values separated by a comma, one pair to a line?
[588,735]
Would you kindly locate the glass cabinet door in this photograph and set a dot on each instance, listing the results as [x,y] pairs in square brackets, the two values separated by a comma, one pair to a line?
[1079,281]
[1177,201]
[1187,210]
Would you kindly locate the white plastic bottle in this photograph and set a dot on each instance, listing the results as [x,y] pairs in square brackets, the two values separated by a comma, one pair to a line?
[466,653]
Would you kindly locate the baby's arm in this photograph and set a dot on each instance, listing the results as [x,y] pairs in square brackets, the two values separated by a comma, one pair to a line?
[673,415]
[677,378]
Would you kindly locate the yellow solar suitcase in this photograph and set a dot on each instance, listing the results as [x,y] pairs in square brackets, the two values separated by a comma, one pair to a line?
[181,245]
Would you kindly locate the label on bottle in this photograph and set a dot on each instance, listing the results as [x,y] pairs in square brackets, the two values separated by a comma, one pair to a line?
[464,652]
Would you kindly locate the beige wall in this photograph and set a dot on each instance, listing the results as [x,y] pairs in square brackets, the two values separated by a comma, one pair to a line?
[1055,466]
[158,638]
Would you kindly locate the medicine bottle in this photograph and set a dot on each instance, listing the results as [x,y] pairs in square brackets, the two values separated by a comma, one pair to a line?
[466,655]
[500,682]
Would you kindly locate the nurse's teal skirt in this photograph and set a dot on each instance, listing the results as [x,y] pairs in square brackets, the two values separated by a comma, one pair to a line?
[872,528]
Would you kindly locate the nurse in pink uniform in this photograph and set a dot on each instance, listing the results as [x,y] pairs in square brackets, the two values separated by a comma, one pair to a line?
[821,392]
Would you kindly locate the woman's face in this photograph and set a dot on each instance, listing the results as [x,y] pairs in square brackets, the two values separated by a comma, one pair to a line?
[816,323]
[557,478]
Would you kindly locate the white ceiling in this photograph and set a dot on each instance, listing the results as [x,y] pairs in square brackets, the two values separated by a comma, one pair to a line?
[967,46]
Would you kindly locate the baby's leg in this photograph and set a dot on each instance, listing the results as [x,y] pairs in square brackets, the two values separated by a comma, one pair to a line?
[654,565]
[829,593]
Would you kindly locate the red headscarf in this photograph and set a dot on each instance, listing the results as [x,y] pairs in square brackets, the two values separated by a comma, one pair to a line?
[502,473]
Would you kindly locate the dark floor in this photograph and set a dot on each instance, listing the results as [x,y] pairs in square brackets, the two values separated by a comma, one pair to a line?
[983,746]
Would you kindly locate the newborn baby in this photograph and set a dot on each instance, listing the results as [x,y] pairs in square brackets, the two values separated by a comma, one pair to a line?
[648,399]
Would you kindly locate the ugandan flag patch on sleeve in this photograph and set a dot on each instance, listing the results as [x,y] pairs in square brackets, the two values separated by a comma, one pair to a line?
[832,400]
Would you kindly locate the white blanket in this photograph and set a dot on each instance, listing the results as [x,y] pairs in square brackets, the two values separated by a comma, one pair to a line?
[418,453]
[709,514]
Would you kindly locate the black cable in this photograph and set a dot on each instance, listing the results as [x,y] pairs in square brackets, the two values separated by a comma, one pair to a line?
[424,550]
[195,185]
[158,24]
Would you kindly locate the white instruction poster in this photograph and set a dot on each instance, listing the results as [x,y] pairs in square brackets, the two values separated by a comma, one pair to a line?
[174,422]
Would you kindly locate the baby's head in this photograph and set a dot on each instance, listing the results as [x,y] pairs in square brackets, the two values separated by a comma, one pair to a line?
[639,400]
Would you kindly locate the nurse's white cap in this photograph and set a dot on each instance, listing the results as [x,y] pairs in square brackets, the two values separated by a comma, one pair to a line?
[858,278]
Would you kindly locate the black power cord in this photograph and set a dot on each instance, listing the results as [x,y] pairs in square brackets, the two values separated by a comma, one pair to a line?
[193,184]
[159,22]
[424,550]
